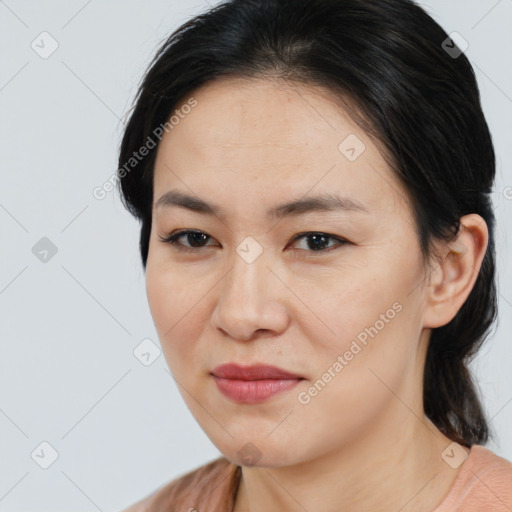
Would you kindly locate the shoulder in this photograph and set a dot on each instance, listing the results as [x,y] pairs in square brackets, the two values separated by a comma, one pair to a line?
[488,465]
[209,487]
[484,483]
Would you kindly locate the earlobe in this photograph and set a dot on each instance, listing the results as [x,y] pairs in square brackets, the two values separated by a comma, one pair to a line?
[455,274]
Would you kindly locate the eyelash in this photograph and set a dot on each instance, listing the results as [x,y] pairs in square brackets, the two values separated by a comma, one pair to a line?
[173,238]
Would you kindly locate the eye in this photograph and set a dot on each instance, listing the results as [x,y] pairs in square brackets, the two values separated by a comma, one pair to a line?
[195,238]
[315,241]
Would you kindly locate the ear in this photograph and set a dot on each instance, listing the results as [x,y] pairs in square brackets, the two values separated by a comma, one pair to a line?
[453,277]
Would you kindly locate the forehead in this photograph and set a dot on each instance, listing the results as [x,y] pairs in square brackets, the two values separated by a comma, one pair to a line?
[254,139]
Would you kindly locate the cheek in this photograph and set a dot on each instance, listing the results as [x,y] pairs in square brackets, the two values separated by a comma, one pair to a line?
[172,293]
[353,378]
[158,291]
[175,308]
[366,318]
[341,304]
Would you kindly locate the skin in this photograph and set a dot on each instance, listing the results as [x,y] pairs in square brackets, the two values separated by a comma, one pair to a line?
[363,442]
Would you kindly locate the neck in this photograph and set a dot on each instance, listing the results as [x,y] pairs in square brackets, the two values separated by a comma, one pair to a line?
[387,468]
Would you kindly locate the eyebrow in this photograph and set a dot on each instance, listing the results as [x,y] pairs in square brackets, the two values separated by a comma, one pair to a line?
[318,203]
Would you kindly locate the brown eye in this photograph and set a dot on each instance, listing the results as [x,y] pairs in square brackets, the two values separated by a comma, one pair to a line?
[196,239]
[319,242]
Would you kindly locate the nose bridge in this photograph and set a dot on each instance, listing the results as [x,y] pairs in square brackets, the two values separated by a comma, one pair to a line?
[246,302]
[249,270]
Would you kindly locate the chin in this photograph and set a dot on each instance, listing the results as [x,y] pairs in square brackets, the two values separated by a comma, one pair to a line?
[259,454]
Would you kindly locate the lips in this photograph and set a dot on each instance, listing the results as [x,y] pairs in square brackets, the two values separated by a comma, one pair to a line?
[254,372]
[253,384]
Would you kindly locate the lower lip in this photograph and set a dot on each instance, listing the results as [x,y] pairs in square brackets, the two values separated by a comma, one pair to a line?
[253,391]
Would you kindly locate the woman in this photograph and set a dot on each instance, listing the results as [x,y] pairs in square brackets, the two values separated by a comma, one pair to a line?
[312,180]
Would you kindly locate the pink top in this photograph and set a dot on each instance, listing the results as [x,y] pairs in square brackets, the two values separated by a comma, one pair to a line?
[483,484]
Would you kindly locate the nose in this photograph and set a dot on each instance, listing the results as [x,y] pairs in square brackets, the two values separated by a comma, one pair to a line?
[251,299]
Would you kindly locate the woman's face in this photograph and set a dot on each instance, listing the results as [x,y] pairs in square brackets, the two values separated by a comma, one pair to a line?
[254,288]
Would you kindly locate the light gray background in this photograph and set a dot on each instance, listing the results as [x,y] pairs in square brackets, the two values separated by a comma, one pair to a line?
[69,326]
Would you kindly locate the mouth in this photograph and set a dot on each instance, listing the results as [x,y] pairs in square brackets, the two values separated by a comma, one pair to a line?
[253,384]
